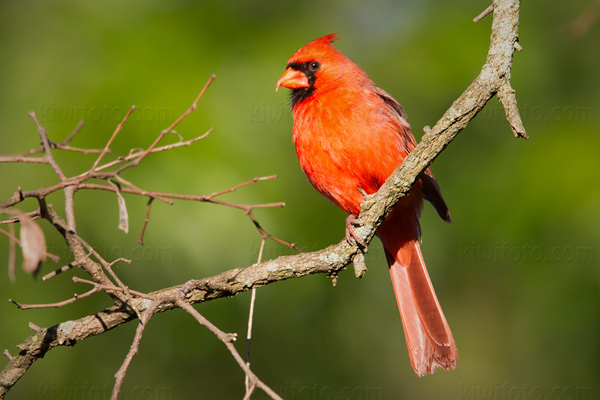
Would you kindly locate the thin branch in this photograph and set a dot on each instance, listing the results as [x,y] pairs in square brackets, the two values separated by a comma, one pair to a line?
[74,149]
[77,247]
[23,159]
[252,301]
[170,128]
[222,336]
[135,189]
[251,320]
[60,270]
[34,327]
[97,287]
[100,286]
[124,288]
[46,145]
[518,47]
[176,196]
[69,191]
[72,135]
[248,382]
[12,254]
[123,215]
[253,378]
[136,154]
[78,181]
[585,21]
[14,239]
[64,145]
[202,198]
[15,218]
[484,13]
[227,339]
[120,375]
[236,187]
[507,98]
[58,304]
[146,219]
[114,135]
[26,157]
[265,235]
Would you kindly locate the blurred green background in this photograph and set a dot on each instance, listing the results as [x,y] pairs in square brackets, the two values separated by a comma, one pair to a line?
[516,272]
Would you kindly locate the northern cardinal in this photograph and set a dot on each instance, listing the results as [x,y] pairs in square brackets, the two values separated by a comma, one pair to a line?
[350,135]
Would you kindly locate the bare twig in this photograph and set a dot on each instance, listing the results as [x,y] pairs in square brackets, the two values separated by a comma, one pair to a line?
[204,198]
[14,239]
[136,154]
[248,382]
[146,219]
[23,159]
[69,191]
[60,270]
[236,187]
[484,13]
[72,135]
[120,375]
[252,301]
[15,219]
[64,145]
[114,288]
[58,304]
[12,253]
[177,196]
[585,21]
[518,47]
[507,98]
[227,339]
[360,267]
[46,145]
[114,135]
[224,337]
[170,128]
[76,245]
[123,216]
[97,287]
[34,327]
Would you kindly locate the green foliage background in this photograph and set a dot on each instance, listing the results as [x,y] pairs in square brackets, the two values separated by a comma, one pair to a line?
[516,272]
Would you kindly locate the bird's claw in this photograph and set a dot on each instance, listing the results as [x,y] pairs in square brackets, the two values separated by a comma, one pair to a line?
[351,222]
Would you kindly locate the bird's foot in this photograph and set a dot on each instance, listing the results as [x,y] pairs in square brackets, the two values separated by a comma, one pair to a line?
[351,222]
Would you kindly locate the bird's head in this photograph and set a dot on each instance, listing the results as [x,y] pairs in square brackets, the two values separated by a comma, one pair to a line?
[318,66]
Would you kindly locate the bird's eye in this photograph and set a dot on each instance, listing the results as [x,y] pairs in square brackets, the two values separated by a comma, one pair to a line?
[314,66]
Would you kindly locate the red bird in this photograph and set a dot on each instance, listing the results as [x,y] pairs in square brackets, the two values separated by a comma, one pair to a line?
[350,135]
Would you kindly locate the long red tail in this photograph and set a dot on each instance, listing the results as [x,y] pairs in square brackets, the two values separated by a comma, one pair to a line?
[428,336]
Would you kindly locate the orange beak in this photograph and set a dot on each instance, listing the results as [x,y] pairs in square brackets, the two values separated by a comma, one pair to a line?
[292,79]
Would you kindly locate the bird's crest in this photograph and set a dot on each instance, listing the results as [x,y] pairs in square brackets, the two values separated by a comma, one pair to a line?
[328,38]
[316,48]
